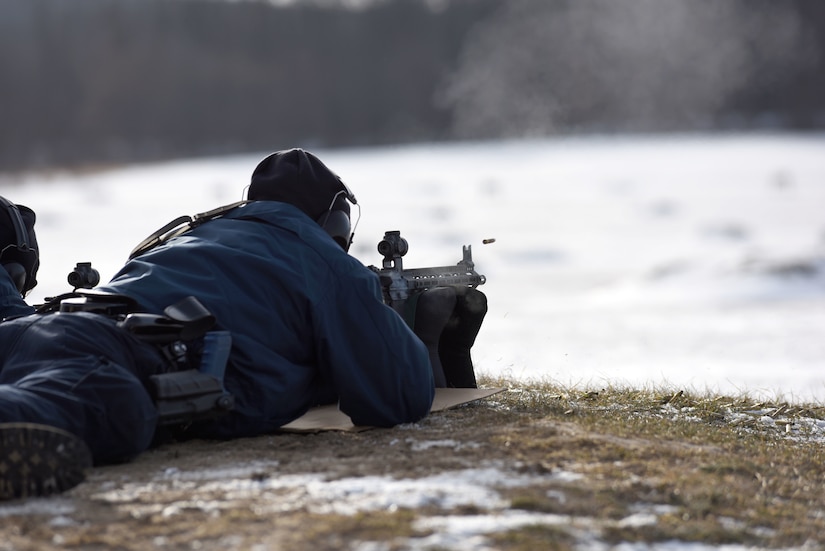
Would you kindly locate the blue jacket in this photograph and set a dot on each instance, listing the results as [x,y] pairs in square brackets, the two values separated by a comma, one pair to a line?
[11,303]
[307,320]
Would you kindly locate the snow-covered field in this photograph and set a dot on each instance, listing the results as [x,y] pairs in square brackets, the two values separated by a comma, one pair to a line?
[695,262]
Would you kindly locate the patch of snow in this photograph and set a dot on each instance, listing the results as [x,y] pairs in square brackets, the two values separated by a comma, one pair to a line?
[464,532]
[675,545]
[248,469]
[445,491]
[319,494]
[767,421]
[564,476]
[638,520]
[418,446]
[62,521]
[56,507]
[670,260]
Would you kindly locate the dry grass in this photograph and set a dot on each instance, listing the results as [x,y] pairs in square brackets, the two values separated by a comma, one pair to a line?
[719,469]
[609,466]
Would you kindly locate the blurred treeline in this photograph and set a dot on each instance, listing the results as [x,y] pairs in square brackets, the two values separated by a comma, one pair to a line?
[107,81]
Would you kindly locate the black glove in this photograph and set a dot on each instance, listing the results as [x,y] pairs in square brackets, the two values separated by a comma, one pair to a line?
[447,320]
[18,244]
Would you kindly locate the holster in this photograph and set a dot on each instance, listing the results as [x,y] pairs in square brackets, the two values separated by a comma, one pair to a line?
[192,388]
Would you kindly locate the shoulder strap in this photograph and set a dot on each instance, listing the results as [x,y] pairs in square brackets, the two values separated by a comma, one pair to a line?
[180,225]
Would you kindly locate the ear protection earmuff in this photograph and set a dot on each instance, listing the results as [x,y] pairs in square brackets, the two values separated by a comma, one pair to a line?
[20,259]
[337,224]
[336,220]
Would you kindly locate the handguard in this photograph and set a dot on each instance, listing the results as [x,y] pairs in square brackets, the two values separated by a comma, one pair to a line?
[398,284]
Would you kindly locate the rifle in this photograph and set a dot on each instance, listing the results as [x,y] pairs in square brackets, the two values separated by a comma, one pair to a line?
[398,284]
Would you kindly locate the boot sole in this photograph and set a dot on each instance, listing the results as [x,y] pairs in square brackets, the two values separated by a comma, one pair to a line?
[38,460]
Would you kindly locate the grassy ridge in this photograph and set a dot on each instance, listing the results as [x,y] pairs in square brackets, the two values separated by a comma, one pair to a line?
[591,469]
[715,469]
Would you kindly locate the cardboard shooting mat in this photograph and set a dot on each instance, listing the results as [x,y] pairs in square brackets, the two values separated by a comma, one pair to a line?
[329,417]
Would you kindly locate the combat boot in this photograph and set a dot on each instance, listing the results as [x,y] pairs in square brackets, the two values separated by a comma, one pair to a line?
[39,460]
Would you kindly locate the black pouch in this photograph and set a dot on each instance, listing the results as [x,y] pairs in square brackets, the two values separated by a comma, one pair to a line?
[194,394]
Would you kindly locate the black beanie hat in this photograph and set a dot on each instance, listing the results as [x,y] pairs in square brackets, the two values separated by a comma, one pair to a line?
[296,177]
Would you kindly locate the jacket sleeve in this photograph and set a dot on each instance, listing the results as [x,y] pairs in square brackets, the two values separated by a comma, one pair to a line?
[11,302]
[380,370]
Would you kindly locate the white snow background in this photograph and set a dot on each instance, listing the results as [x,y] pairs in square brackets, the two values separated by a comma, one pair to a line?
[692,262]
[686,262]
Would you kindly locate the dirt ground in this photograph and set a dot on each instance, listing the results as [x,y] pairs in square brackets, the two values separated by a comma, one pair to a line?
[215,495]
[481,476]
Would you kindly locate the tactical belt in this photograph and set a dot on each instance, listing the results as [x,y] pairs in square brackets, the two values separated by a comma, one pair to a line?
[192,389]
